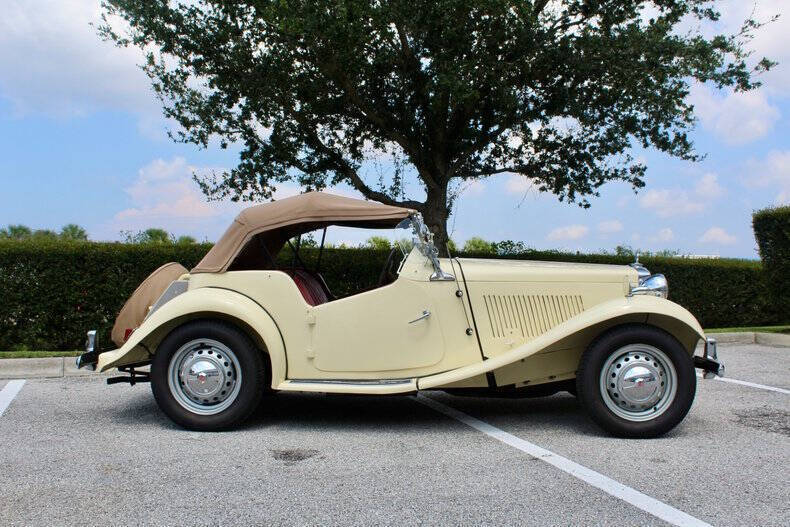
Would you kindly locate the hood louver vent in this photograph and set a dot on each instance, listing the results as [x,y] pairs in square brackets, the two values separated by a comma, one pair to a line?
[529,315]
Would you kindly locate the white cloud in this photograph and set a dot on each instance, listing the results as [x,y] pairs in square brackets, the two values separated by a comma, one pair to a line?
[164,190]
[671,202]
[736,117]
[717,236]
[569,232]
[665,235]
[708,186]
[164,195]
[52,62]
[610,227]
[772,171]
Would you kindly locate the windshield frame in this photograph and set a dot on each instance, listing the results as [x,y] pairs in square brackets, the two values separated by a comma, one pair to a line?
[423,241]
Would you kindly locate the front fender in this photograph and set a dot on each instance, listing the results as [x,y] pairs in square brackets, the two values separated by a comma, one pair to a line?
[204,302]
[644,309]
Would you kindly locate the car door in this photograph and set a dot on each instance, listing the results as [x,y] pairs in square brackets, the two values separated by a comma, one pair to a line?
[388,329]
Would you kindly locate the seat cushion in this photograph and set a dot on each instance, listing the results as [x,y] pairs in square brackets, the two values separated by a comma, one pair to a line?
[310,287]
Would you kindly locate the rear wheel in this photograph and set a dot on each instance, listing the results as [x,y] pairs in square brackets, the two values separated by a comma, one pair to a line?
[207,375]
[636,381]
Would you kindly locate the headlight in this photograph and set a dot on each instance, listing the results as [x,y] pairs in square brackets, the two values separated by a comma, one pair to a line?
[655,285]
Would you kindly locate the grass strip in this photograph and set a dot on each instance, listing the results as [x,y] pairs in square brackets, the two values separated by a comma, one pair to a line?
[36,354]
[756,329]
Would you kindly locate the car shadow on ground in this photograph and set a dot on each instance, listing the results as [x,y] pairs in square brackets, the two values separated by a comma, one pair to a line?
[559,413]
[372,413]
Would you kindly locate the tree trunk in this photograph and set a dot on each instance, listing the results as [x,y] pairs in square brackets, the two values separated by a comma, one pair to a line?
[435,214]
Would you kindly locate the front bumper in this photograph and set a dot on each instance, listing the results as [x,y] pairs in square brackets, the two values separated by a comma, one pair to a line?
[90,358]
[709,363]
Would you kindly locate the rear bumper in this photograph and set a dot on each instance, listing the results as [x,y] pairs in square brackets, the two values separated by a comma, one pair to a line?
[709,363]
[90,358]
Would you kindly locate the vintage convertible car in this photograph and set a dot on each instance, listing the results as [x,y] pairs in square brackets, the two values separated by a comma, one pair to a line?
[236,327]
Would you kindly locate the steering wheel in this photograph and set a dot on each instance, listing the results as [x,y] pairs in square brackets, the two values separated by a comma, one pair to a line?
[387,273]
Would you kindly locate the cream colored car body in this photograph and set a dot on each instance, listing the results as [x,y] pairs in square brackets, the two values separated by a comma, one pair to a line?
[524,323]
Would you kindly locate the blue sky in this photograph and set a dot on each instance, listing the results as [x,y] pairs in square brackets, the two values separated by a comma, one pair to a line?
[82,141]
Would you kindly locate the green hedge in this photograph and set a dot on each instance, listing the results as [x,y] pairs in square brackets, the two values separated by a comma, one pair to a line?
[772,230]
[52,292]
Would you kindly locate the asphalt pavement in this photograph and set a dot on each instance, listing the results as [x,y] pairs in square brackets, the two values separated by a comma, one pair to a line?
[76,451]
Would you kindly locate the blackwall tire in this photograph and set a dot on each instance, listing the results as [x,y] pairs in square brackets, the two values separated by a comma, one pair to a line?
[636,381]
[207,375]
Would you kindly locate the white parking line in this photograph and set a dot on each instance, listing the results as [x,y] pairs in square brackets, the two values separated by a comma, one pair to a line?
[8,393]
[750,384]
[618,490]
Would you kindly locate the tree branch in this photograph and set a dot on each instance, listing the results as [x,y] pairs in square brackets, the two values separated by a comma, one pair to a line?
[343,167]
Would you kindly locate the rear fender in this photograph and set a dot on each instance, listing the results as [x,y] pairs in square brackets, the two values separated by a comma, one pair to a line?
[204,302]
[579,331]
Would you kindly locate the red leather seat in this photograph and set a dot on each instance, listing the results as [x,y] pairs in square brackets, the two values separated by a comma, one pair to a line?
[310,287]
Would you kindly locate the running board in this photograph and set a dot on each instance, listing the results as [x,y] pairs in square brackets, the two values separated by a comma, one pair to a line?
[373,387]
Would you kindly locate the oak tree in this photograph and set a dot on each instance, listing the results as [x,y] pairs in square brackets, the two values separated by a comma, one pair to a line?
[448,91]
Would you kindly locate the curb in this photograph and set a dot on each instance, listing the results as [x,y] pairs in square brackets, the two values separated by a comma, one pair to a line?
[745,337]
[44,368]
[750,337]
[55,367]
[772,339]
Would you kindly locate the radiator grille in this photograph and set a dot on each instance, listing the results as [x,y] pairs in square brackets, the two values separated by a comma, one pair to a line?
[529,315]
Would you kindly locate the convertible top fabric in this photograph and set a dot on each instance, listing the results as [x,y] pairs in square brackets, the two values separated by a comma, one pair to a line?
[147,293]
[274,223]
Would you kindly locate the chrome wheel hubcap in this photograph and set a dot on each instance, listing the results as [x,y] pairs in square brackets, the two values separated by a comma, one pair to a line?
[204,376]
[638,382]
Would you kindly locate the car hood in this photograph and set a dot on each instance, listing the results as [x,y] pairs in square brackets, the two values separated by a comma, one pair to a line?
[483,270]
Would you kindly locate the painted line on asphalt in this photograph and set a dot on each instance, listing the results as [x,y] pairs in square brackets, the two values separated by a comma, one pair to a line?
[8,393]
[641,501]
[750,384]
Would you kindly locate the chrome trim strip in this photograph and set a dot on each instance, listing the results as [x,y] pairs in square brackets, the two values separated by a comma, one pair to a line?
[351,382]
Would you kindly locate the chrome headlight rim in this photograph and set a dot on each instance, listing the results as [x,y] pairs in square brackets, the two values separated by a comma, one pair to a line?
[653,285]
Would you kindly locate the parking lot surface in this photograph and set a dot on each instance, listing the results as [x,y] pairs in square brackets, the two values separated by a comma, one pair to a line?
[76,451]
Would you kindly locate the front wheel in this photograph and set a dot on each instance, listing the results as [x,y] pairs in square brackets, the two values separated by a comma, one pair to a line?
[636,381]
[207,375]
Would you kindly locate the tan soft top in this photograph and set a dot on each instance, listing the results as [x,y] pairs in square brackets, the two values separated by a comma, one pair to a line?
[274,223]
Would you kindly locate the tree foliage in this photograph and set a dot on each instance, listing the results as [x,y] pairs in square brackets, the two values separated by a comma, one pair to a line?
[185,240]
[73,232]
[475,244]
[379,243]
[559,92]
[16,232]
[152,235]
[69,232]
